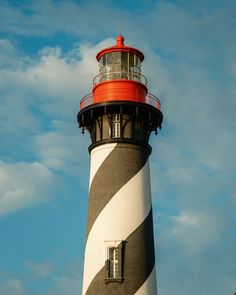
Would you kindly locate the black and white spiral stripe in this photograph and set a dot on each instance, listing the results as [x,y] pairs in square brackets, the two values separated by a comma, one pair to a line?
[120,209]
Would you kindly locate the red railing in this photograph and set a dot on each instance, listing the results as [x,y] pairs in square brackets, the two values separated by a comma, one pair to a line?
[149,99]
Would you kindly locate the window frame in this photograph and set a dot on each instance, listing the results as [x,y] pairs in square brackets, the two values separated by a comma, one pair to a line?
[115,276]
[114,262]
[116,125]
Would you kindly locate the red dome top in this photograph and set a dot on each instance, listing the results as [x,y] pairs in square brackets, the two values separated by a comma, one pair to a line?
[120,47]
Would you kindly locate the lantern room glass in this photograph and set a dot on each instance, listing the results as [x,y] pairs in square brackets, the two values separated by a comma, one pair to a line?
[120,65]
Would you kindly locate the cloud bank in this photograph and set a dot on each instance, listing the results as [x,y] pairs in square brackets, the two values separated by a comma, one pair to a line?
[190,63]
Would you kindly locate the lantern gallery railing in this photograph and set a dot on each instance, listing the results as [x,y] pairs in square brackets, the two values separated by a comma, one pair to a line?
[117,75]
[116,95]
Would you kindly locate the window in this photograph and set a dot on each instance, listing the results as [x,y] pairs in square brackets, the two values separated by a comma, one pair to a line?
[116,126]
[114,262]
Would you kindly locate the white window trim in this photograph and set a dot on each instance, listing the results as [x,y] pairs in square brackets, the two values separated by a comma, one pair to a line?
[111,244]
[108,245]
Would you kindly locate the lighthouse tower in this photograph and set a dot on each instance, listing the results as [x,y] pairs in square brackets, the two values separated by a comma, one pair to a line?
[119,115]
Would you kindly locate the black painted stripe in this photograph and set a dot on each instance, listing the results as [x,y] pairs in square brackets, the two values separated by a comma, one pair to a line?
[139,261]
[118,168]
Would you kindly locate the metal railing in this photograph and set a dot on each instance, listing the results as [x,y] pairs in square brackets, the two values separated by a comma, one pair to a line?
[149,99]
[86,101]
[153,100]
[120,75]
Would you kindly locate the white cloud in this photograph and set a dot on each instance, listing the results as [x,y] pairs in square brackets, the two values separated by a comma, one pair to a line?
[58,148]
[61,148]
[46,87]
[66,285]
[8,54]
[12,287]
[53,82]
[198,231]
[67,280]
[24,185]
[42,268]
[59,279]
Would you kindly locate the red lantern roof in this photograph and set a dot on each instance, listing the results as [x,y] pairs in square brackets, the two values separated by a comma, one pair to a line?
[120,47]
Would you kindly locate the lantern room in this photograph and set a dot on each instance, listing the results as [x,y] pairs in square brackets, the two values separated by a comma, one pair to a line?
[120,62]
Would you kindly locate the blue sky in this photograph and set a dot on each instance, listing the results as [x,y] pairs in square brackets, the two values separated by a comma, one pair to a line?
[47,62]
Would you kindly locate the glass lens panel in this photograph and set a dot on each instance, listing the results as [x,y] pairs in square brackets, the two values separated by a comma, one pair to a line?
[138,62]
[109,58]
[131,60]
[131,66]
[124,65]
[116,56]
[116,65]
[104,60]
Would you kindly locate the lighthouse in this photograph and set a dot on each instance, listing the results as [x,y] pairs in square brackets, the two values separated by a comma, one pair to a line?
[120,115]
